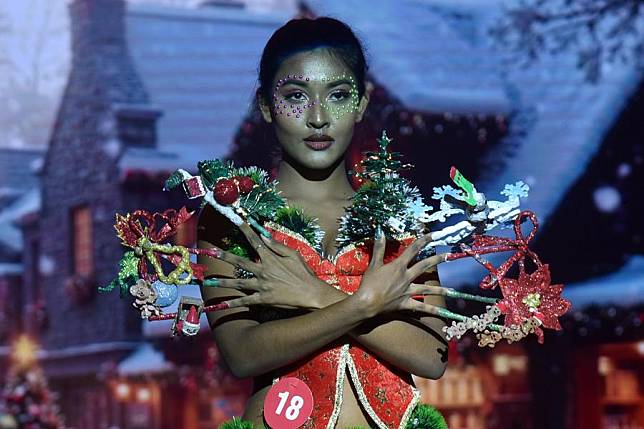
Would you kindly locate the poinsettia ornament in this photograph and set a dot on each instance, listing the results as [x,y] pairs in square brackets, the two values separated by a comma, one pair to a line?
[532,295]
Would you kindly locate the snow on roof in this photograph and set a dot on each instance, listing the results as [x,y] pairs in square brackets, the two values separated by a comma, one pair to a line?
[144,360]
[10,236]
[200,67]
[17,169]
[424,55]
[10,269]
[86,349]
[623,287]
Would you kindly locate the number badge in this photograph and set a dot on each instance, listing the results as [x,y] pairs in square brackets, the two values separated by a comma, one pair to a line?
[288,404]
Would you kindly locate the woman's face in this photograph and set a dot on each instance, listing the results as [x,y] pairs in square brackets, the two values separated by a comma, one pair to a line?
[314,108]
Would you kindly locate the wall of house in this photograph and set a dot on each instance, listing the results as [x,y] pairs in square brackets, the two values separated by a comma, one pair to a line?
[80,169]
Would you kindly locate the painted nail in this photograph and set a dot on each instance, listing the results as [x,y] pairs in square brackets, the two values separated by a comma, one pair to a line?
[378,232]
[211,282]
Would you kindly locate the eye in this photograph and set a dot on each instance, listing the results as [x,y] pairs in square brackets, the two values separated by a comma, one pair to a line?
[296,96]
[339,95]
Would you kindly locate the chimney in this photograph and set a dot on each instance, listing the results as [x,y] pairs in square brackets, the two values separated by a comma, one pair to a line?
[103,68]
[99,49]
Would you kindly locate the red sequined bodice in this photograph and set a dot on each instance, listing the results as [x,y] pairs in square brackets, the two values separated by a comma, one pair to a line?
[387,393]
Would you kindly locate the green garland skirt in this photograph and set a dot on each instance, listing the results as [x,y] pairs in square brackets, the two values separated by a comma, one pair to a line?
[423,417]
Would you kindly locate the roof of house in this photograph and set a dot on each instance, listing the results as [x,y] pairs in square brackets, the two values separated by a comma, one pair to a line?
[19,194]
[10,236]
[624,287]
[427,53]
[9,269]
[17,172]
[144,360]
[199,67]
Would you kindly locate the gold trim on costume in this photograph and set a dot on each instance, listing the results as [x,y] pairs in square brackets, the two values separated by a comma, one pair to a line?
[339,386]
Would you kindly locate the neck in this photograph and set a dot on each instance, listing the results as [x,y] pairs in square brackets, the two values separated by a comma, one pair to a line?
[297,182]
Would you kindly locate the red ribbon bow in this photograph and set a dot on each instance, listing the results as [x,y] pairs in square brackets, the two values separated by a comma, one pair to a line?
[141,223]
[130,229]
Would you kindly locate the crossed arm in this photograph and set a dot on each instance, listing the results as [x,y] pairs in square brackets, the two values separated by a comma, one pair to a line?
[412,343]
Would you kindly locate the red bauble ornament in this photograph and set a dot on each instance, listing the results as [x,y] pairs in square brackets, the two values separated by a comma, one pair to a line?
[226,191]
[244,183]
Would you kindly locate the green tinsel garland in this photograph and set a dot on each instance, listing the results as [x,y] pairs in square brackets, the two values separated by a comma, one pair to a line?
[263,203]
[294,219]
[423,417]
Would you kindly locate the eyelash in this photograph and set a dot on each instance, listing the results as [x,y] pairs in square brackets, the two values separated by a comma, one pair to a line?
[292,95]
[343,93]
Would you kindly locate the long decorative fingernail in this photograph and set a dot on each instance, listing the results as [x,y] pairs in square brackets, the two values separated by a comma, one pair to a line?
[211,282]
[252,222]
[378,232]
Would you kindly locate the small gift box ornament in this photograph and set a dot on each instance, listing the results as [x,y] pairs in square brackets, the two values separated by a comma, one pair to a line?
[186,321]
[194,187]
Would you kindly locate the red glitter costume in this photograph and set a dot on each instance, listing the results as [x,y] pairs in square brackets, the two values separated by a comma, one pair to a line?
[387,393]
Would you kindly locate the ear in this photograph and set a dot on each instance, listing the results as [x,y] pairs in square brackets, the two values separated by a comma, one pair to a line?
[263,107]
[364,102]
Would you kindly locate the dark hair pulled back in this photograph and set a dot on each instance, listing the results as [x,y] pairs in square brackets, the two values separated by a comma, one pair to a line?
[305,34]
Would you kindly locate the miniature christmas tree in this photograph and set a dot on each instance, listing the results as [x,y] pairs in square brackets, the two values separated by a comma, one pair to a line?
[26,401]
[385,199]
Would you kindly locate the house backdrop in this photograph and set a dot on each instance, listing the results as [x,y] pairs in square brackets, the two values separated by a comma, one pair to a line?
[154,88]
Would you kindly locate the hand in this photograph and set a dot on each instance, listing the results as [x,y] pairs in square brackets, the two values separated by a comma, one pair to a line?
[388,287]
[282,279]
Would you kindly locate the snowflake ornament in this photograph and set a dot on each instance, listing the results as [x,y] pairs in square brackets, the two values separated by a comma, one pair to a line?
[418,210]
[481,215]
[516,190]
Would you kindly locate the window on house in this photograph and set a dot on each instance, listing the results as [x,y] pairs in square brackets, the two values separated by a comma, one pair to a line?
[187,233]
[137,125]
[82,241]
[135,131]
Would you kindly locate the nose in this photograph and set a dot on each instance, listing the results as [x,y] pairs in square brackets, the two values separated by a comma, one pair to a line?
[317,116]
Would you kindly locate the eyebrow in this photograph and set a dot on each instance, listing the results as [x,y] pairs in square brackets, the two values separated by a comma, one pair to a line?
[328,85]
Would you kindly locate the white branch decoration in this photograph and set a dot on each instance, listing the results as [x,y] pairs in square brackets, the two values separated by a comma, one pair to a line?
[485,216]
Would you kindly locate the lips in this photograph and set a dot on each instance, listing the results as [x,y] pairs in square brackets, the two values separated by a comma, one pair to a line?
[318,141]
